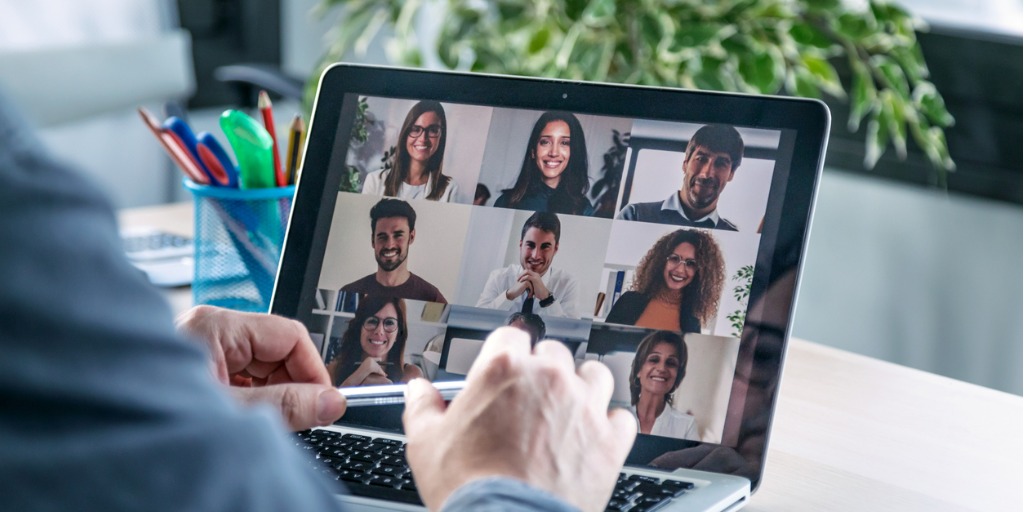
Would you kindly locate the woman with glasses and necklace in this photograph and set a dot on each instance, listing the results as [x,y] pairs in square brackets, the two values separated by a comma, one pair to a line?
[677,285]
[373,346]
[414,170]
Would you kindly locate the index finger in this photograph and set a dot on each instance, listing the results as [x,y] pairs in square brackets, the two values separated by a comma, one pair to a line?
[510,340]
[275,342]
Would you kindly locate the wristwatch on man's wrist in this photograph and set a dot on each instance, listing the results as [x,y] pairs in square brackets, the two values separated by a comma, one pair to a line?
[548,301]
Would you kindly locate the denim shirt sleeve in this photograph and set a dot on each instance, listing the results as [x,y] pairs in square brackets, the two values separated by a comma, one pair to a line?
[498,494]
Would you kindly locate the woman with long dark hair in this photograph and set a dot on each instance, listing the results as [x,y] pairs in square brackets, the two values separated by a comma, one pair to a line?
[677,284]
[415,169]
[554,175]
[373,346]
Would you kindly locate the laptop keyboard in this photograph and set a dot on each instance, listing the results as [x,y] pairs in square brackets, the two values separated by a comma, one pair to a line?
[375,467]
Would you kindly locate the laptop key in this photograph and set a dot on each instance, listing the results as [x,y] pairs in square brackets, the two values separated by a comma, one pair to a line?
[392,471]
[388,493]
[382,481]
[357,438]
[686,486]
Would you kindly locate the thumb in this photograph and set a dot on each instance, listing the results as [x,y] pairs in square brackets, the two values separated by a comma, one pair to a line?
[423,405]
[624,428]
[302,406]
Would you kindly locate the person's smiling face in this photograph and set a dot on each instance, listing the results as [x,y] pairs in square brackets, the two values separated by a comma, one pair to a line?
[552,152]
[537,250]
[705,174]
[423,145]
[680,267]
[391,239]
[659,371]
[374,338]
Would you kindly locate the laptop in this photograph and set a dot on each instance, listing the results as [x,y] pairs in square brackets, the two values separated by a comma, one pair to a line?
[659,231]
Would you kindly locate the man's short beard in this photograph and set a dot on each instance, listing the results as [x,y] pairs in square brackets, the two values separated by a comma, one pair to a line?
[389,266]
[698,201]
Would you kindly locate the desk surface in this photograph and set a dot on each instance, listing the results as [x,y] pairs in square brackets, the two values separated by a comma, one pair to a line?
[851,432]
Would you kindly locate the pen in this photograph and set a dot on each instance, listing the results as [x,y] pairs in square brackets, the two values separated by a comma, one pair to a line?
[177,152]
[295,133]
[267,110]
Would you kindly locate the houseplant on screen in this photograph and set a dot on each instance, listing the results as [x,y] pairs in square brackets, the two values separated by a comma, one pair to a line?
[755,46]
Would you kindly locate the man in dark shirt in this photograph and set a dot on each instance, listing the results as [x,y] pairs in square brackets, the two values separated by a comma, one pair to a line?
[393,223]
[712,156]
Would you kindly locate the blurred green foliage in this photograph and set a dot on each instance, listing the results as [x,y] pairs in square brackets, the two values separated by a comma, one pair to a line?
[751,46]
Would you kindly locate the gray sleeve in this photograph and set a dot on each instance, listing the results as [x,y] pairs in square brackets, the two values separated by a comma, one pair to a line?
[503,495]
[104,406]
[627,212]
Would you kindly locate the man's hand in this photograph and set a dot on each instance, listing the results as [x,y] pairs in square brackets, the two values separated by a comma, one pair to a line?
[527,416]
[267,359]
[535,284]
[369,373]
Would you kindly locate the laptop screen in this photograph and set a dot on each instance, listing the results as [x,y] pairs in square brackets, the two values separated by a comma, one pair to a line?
[647,238]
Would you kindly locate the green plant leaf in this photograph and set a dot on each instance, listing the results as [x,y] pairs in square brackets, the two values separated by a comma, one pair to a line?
[824,74]
[877,139]
[824,5]
[893,115]
[760,69]
[810,35]
[931,104]
[694,35]
[893,75]
[599,13]
[854,27]
[804,84]
[863,96]
[540,39]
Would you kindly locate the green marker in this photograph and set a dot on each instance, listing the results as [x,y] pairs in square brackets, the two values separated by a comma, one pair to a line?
[254,149]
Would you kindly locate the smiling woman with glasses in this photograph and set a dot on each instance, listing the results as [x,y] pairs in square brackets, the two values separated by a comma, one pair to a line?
[677,287]
[373,346]
[414,169]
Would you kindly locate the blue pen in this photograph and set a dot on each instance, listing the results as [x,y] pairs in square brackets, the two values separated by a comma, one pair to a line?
[222,170]
[184,132]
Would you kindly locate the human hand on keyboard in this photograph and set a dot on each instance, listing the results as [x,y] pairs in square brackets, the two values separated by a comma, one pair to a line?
[267,359]
[528,416]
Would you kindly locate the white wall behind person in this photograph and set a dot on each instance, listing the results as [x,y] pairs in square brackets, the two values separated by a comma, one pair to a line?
[485,240]
[658,172]
[510,134]
[464,147]
[435,255]
[629,241]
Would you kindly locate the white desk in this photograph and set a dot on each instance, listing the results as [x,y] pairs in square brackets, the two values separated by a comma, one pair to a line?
[851,432]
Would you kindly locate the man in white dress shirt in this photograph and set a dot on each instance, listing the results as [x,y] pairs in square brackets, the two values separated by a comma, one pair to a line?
[532,286]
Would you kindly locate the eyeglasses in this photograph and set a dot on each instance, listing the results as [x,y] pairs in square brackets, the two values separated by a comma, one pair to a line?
[433,131]
[390,324]
[674,260]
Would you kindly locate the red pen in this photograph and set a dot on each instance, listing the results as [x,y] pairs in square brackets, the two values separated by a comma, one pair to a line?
[174,148]
[268,122]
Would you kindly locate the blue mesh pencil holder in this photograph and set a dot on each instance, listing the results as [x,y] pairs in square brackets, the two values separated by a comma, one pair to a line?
[238,238]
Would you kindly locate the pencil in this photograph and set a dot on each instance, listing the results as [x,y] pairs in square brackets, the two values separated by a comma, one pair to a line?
[267,110]
[174,149]
[295,133]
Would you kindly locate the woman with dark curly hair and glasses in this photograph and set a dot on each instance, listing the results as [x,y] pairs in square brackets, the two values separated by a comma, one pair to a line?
[656,372]
[554,176]
[677,285]
[415,169]
[373,346]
